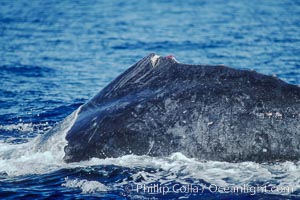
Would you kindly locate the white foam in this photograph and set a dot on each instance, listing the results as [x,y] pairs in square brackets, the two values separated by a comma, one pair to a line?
[26,127]
[34,157]
[22,127]
[84,185]
[178,167]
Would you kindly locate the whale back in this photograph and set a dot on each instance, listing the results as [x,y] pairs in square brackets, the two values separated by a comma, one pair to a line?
[158,107]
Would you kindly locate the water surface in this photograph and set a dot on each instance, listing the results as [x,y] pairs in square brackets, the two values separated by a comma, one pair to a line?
[55,55]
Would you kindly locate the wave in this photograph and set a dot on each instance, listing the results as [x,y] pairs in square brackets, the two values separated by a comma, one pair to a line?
[26,70]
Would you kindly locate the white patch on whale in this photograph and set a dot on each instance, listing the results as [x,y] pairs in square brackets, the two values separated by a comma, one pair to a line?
[154,60]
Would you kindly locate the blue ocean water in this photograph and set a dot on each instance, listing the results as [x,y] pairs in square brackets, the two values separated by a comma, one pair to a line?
[55,55]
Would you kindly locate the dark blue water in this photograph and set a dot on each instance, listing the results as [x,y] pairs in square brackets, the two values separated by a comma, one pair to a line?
[55,55]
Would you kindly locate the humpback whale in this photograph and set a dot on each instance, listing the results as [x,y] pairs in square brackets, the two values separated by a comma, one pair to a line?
[160,106]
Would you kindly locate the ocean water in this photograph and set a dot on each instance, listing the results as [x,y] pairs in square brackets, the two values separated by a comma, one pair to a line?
[55,55]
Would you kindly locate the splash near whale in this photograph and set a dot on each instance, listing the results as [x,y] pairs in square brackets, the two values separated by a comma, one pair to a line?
[160,106]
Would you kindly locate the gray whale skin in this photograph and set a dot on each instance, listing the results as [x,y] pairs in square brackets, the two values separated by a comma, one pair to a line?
[159,106]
